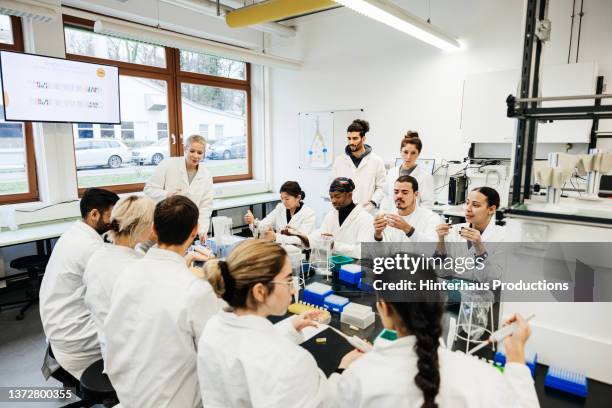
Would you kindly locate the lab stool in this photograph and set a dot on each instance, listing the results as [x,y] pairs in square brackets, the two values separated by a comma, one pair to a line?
[32,266]
[61,375]
[95,388]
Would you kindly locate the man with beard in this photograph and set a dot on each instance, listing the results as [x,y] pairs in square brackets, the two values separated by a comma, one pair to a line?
[66,319]
[347,225]
[409,222]
[363,166]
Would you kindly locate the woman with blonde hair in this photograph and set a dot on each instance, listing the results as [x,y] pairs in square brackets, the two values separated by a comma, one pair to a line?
[243,359]
[185,176]
[131,223]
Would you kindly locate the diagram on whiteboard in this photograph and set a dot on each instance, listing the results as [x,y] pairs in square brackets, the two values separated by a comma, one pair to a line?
[316,139]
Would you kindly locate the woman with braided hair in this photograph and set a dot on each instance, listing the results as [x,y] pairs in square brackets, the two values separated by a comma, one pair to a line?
[416,371]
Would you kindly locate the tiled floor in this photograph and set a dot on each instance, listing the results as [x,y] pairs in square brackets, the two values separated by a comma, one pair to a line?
[22,348]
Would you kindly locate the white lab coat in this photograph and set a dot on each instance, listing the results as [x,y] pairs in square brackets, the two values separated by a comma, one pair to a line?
[66,320]
[385,378]
[101,273]
[456,246]
[171,175]
[426,187]
[369,177]
[246,361]
[358,227]
[157,314]
[424,222]
[303,221]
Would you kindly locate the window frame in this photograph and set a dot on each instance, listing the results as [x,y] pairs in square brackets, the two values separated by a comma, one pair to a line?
[174,77]
[28,134]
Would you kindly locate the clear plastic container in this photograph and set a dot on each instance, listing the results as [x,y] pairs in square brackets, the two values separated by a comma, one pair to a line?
[357,315]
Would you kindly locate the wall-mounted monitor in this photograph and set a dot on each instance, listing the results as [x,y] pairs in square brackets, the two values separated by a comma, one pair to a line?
[46,89]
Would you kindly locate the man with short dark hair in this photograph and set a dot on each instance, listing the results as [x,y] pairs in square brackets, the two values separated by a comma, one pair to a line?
[409,222]
[158,311]
[363,166]
[66,319]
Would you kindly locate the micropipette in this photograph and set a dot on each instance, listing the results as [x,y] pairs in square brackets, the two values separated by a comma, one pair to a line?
[354,341]
[499,335]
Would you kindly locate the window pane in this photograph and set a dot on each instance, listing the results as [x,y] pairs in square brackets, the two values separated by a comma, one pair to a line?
[162,131]
[211,65]
[204,130]
[132,152]
[225,110]
[218,132]
[127,130]
[83,42]
[107,131]
[6,30]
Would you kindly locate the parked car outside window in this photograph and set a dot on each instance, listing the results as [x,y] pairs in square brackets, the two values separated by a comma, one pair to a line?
[101,153]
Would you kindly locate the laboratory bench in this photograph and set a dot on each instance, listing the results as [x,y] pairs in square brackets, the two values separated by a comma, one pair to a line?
[329,354]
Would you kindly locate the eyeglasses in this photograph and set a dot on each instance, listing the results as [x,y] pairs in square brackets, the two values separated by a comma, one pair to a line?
[288,282]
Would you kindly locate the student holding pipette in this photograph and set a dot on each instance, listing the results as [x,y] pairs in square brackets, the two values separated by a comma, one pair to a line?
[415,371]
[288,219]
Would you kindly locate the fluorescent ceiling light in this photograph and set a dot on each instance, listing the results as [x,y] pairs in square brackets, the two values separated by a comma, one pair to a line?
[400,19]
[45,11]
[152,35]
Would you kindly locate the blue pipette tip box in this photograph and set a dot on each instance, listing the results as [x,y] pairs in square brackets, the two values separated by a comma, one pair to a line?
[366,284]
[316,292]
[335,303]
[350,273]
[566,381]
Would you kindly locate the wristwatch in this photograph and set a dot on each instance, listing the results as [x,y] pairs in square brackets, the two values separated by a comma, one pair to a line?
[409,233]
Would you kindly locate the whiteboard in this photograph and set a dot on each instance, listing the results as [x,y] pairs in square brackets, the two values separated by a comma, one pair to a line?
[332,127]
[316,140]
[45,89]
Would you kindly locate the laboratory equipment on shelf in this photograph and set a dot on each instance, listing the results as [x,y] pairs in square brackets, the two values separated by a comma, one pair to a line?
[595,164]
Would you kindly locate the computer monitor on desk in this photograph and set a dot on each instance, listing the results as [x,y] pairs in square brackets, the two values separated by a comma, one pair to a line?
[427,164]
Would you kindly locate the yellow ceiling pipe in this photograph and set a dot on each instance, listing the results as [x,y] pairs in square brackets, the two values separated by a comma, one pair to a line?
[273,10]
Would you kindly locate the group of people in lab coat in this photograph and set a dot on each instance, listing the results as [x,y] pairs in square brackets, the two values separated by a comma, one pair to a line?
[246,361]
[170,337]
[400,201]
[142,313]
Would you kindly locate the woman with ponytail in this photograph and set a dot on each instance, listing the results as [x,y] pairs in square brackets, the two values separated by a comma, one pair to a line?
[131,223]
[410,149]
[290,218]
[417,371]
[243,359]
